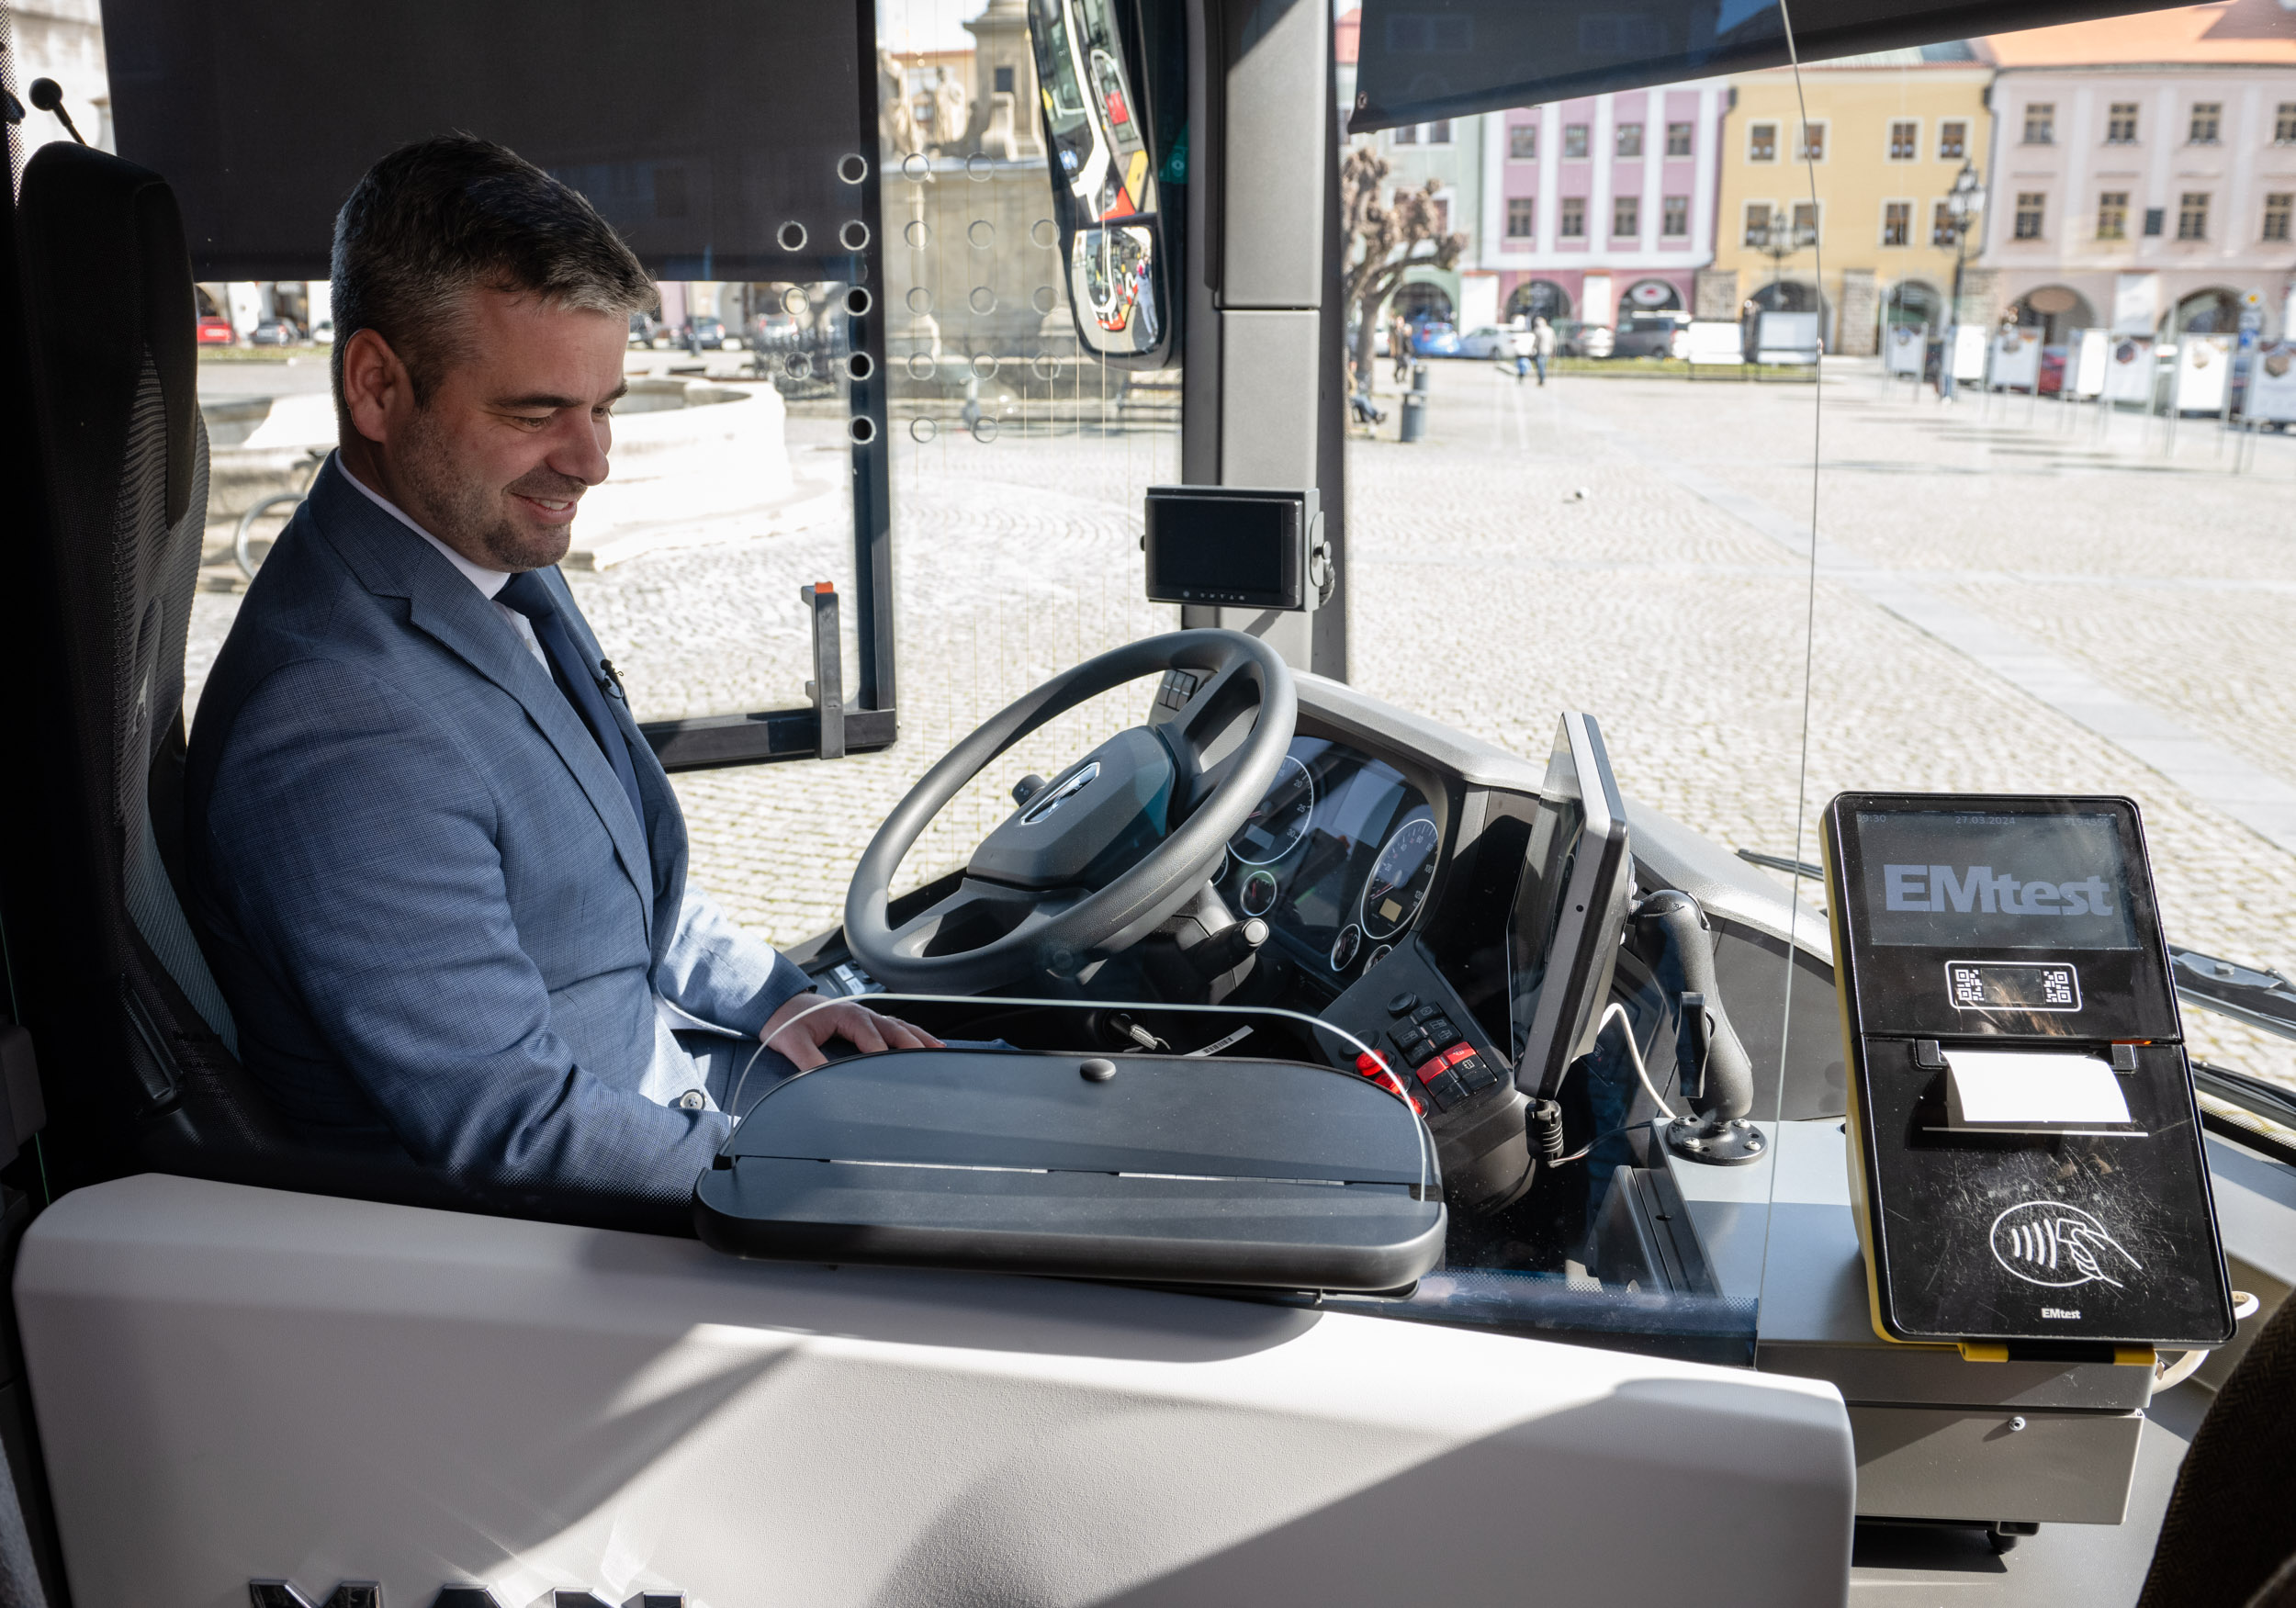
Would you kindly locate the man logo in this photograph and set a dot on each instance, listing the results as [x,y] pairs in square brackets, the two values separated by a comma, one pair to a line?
[2059,1247]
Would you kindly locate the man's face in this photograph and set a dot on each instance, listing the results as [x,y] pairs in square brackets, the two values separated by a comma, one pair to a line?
[517,428]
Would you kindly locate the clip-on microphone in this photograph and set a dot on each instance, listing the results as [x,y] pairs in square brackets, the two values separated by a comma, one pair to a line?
[47,95]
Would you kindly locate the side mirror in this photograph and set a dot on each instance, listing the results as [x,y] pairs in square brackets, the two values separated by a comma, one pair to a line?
[1107,191]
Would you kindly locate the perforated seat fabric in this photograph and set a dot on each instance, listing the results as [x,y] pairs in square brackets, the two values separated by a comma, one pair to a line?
[2229,1535]
[114,360]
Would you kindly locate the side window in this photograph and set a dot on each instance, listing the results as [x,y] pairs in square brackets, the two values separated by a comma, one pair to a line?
[1522,142]
[1905,140]
[1761,142]
[1952,138]
[1574,142]
[1678,139]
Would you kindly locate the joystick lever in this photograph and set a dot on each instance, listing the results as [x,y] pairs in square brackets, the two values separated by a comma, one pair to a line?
[1712,1068]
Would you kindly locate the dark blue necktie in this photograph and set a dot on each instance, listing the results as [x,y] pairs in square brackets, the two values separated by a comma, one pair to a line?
[528,595]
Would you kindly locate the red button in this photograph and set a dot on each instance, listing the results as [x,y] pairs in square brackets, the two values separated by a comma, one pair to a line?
[1432,1068]
[1368,1064]
[1457,1053]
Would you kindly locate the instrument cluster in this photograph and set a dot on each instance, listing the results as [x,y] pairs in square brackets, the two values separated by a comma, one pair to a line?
[1338,856]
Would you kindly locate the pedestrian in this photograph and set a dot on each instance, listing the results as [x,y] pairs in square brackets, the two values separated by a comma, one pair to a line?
[1520,341]
[1398,347]
[1542,344]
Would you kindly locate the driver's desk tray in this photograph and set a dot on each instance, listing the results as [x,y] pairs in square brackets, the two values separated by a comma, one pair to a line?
[1139,1167]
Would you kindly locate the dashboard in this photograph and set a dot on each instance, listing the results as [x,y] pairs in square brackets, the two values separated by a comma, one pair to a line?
[1338,856]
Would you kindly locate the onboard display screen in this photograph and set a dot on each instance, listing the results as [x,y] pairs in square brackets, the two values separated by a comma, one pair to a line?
[1945,879]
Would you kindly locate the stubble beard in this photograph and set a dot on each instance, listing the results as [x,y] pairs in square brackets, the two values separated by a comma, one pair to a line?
[468,516]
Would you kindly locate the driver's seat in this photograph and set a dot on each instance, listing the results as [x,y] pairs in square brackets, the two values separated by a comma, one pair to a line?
[123,455]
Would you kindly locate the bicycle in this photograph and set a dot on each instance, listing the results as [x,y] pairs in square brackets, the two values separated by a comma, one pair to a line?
[282,507]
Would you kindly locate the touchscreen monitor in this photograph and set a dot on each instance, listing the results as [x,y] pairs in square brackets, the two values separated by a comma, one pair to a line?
[1569,909]
[1240,546]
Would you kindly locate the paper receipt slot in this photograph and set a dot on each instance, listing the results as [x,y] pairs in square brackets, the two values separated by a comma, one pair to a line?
[2025,1155]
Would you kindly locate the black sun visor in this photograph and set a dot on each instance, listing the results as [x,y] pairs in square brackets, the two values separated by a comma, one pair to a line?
[1427,58]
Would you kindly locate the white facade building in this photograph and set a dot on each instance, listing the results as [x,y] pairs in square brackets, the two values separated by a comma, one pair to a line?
[2133,185]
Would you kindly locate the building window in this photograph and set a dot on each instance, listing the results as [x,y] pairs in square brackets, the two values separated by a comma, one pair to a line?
[2192,215]
[1897,223]
[1523,142]
[1522,217]
[1813,143]
[1678,139]
[2029,204]
[2276,207]
[1407,135]
[2121,123]
[1627,140]
[1757,223]
[1002,82]
[1761,142]
[2112,215]
[1574,139]
[2284,125]
[2156,219]
[1905,142]
[1804,223]
[1675,221]
[1942,231]
[2040,123]
[1439,133]
[2207,117]
[1626,217]
[1573,222]
[1951,140]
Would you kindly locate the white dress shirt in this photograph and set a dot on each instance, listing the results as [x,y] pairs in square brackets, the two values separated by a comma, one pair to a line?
[490,582]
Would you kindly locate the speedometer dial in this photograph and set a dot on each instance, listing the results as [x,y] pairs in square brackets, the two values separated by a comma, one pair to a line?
[1279,820]
[1399,879]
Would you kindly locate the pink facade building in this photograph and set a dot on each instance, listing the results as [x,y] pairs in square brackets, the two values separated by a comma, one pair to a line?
[1596,206]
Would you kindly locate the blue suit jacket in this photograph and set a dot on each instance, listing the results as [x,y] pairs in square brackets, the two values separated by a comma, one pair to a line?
[420,888]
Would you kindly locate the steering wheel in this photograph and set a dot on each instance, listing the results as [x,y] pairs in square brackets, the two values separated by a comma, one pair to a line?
[1100,855]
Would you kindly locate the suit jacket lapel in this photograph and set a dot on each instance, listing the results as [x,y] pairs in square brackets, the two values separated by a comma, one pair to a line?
[391,561]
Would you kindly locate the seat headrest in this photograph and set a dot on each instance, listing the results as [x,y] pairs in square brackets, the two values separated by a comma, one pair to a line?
[109,279]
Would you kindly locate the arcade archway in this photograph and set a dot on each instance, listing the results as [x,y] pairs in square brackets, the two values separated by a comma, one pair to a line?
[1538,298]
[2056,310]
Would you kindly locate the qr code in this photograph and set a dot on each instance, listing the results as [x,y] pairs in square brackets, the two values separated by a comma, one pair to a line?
[2057,987]
[1968,985]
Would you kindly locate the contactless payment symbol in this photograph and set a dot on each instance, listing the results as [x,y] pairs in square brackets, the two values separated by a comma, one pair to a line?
[2059,1247]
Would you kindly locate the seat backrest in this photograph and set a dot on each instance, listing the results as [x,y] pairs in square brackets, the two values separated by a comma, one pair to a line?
[110,334]
[2230,1525]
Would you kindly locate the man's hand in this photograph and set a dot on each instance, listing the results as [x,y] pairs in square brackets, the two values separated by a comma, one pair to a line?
[803,1025]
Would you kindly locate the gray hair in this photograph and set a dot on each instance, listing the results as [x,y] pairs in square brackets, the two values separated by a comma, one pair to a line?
[439,216]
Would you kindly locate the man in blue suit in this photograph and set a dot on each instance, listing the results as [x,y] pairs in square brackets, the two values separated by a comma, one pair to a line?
[437,871]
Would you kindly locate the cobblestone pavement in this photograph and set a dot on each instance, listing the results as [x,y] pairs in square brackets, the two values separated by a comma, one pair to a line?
[1526,558]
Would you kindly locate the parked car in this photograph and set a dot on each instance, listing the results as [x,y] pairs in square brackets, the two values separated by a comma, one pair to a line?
[1434,338]
[710,335]
[216,332]
[1651,335]
[1576,339]
[1502,341]
[276,333]
[644,327]
[323,331]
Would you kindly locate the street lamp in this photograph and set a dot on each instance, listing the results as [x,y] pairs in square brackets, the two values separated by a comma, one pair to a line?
[1964,204]
[1779,240]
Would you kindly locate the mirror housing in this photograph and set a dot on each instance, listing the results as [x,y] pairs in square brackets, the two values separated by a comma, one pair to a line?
[1101,133]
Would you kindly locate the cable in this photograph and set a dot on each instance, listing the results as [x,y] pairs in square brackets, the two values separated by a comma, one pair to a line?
[732,1105]
[1634,1051]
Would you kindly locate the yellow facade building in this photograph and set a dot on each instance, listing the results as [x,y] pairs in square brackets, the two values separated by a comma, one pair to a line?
[1886,136]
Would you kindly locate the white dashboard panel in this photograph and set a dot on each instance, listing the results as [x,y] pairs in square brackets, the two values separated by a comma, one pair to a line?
[234,1384]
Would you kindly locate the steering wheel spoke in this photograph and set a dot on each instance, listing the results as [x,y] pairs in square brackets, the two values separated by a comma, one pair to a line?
[1092,861]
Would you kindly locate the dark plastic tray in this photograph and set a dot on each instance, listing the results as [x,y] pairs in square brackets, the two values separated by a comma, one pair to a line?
[1260,1173]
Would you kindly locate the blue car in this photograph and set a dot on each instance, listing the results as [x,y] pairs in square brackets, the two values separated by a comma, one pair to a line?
[1434,338]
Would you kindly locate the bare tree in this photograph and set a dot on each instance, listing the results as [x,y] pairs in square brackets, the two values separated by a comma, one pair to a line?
[1384,241]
